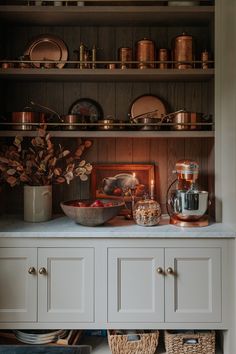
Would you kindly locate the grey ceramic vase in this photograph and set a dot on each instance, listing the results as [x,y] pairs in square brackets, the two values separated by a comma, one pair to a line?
[37,203]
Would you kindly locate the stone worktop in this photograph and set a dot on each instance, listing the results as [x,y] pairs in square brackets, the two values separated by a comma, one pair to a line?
[62,227]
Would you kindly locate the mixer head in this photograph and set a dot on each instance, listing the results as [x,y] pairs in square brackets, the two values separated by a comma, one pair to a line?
[187,170]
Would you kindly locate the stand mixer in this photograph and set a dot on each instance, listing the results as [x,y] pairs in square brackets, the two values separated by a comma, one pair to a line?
[187,205]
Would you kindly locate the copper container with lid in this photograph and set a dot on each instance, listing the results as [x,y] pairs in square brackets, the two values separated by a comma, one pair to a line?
[183,51]
[162,58]
[124,55]
[145,53]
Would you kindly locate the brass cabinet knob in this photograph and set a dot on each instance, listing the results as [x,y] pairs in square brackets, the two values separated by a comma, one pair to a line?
[169,270]
[31,270]
[42,270]
[160,270]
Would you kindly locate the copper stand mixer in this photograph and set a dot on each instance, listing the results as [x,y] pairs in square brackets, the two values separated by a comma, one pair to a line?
[187,205]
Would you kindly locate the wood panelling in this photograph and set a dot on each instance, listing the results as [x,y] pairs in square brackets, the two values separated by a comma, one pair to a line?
[163,153]
[115,99]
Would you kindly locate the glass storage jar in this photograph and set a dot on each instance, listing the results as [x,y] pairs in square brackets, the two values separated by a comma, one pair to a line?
[147,212]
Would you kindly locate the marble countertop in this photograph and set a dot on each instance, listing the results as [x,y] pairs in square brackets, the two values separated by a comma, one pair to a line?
[62,226]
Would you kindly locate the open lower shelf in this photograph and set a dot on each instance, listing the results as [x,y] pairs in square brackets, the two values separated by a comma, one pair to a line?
[113,134]
[100,346]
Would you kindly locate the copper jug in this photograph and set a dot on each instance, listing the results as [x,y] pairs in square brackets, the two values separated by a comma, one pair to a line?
[183,51]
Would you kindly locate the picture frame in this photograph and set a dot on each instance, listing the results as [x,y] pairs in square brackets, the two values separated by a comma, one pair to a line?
[122,181]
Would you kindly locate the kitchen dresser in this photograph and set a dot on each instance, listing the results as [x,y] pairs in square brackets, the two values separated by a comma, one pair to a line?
[114,253]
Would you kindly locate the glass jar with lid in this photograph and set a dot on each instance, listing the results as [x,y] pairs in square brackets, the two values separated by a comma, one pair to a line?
[147,212]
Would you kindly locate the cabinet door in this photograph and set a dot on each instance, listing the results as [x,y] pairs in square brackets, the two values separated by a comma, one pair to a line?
[135,288]
[66,284]
[193,290]
[18,281]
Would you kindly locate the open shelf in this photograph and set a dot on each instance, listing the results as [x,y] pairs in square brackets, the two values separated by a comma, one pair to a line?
[113,134]
[103,75]
[106,15]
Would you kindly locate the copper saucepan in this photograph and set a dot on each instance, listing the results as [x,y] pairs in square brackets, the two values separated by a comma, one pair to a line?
[24,119]
[187,121]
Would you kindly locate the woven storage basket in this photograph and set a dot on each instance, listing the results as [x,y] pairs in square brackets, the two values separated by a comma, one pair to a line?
[121,344]
[202,342]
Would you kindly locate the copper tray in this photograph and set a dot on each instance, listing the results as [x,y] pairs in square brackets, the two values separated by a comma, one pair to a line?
[147,106]
[47,47]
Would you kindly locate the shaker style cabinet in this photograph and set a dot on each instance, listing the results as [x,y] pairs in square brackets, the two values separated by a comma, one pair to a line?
[164,285]
[18,289]
[62,280]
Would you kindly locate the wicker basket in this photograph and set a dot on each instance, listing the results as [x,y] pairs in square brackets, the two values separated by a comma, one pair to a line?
[146,342]
[197,342]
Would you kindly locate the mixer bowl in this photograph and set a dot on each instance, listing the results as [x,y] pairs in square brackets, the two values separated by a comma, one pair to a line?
[189,205]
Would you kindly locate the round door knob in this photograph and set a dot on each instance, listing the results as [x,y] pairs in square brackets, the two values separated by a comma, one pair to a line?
[31,270]
[159,270]
[42,270]
[169,270]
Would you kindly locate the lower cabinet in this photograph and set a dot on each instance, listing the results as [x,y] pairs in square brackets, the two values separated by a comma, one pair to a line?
[164,284]
[61,279]
[18,285]
[114,283]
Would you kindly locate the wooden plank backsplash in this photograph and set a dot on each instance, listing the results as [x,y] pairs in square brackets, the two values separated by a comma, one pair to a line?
[163,153]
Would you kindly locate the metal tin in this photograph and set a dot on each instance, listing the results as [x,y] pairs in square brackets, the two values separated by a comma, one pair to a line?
[124,55]
[162,57]
[145,52]
[204,59]
[183,51]
[111,66]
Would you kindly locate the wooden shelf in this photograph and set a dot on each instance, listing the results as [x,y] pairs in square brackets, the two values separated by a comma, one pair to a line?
[119,75]
[113,134]
[106,15]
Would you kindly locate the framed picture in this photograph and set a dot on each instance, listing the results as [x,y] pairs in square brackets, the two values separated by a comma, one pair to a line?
[114,181]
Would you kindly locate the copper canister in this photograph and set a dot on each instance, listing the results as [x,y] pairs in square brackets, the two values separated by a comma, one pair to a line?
[124,55]
[183,51]
[145,53]
[204,59]
[162,58]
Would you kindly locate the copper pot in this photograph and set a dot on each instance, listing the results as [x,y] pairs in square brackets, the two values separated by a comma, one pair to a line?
[23,120]
[184,117]
[71,120]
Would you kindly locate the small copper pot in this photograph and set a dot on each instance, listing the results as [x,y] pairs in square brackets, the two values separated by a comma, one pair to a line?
[71,119]
[184,117]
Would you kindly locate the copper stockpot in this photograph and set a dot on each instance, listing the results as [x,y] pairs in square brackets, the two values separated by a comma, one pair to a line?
[23,120]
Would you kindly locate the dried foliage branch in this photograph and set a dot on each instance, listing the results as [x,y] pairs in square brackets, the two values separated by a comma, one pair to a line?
[42,163]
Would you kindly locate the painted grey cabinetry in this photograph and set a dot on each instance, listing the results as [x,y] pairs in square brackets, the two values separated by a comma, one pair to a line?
[18,291]
[164,285]
[62,279]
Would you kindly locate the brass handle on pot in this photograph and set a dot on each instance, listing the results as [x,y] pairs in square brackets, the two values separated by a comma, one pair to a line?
[47,108]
